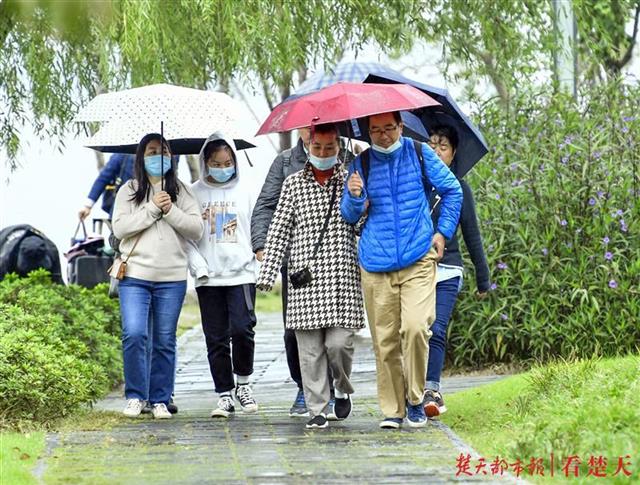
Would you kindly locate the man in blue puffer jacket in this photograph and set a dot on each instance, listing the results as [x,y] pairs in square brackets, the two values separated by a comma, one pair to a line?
[398,252]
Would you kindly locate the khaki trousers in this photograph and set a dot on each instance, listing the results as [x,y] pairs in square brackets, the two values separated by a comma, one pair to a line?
[317,348]
[401,307]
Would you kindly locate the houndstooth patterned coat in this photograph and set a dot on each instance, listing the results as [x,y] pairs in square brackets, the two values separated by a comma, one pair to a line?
[334,296]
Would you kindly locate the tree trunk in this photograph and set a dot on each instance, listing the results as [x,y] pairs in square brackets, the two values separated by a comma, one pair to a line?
[285,138]
[99,159]
[193,162]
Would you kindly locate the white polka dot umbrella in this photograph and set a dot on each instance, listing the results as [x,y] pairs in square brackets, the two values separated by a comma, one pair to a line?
[189,116]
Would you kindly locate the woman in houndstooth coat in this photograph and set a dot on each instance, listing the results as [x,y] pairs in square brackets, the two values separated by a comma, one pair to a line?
[325,313]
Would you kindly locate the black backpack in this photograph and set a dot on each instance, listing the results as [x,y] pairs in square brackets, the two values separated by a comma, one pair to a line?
[23,248]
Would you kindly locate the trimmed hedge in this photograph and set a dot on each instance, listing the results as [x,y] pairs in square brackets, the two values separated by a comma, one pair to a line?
[559,206]
[59,347]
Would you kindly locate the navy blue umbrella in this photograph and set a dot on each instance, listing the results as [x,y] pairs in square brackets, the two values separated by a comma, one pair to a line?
[471,147]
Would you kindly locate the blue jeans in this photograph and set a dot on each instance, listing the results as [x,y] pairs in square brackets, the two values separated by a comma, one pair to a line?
[141,300]
[446,295]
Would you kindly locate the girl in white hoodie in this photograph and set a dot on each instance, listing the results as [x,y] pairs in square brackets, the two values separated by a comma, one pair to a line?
[225,269]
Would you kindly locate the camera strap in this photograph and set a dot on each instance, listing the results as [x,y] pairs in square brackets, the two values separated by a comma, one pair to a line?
[326,222]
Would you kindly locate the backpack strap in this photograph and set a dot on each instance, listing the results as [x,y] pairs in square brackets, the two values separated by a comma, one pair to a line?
[364,161]
[286,161]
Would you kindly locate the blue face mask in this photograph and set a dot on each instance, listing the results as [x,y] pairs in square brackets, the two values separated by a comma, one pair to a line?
[221,175]
[387,151]
[323,163]
[157,165]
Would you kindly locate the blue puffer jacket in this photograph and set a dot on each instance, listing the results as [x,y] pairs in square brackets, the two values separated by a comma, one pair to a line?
[398,230]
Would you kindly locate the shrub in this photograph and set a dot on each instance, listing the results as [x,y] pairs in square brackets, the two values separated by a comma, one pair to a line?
[59,347]
[558,202]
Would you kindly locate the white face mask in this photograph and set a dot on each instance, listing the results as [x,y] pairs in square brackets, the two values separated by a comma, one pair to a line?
[323,163]
[392,148]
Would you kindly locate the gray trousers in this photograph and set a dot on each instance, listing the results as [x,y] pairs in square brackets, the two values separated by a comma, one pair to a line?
[317,348]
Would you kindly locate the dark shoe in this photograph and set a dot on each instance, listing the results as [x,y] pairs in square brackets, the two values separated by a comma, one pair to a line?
[342,407]
[299,408]
[416,416]
[173,409]
[319,421]
[433,404]
[391,423]
[244,395]
[147,408]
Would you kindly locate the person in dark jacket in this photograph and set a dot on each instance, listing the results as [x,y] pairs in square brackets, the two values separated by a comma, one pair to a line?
[286,163]
[444,141]
[117,171]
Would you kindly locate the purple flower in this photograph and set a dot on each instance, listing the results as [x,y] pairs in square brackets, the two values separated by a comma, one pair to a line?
[513,166]
[618,213]
[600,194]
[542,167]
[497,196]
[592,201]
[606,239]
[516,183]
[565,159]
[494,171]
[502,265]
[563,222]
[493,286]
[545,251]
[504,316]
[597,155]
[626,119]
[623,227]
[608,256]
[613,284]
[625,129]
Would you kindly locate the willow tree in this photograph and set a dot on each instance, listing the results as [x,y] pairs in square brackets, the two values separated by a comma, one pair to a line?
[56,55]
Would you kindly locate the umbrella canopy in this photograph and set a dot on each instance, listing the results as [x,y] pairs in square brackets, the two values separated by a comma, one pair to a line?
[472,146]
[185,136]
[341,102]
[189,117]
[349,72]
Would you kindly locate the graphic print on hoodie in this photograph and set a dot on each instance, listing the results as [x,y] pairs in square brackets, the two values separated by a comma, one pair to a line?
[224,256]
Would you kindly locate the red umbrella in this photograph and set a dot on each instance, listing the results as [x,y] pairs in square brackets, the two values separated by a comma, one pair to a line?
[344,101]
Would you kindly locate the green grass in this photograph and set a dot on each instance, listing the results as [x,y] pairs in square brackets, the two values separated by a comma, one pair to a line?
[269,302]
[584,408]
[18,455]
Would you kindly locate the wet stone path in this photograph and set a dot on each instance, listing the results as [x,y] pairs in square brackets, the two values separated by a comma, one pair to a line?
[268,447]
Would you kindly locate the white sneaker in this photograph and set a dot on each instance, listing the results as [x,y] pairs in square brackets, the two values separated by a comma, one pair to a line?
[160,411]
[244,395]
[225,407]
[133,408]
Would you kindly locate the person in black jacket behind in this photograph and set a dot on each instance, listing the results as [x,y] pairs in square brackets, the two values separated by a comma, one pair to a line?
[444,141]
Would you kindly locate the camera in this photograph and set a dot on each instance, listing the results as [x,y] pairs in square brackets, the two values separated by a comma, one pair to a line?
[300,278]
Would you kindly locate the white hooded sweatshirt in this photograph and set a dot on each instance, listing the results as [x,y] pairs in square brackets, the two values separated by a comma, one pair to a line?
[223,256]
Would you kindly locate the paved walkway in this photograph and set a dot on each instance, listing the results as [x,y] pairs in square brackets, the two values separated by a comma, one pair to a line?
[267,447]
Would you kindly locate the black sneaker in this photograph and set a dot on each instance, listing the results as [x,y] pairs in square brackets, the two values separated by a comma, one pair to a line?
[319,421]
[342,407]
[173,409]
[244,395]
[299,408]
[433,404]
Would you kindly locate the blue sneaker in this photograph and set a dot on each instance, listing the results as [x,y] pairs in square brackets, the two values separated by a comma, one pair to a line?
[391,423]
[299,408]
[416,416]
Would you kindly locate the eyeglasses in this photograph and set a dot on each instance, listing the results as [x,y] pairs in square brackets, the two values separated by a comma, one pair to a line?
[387,130]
